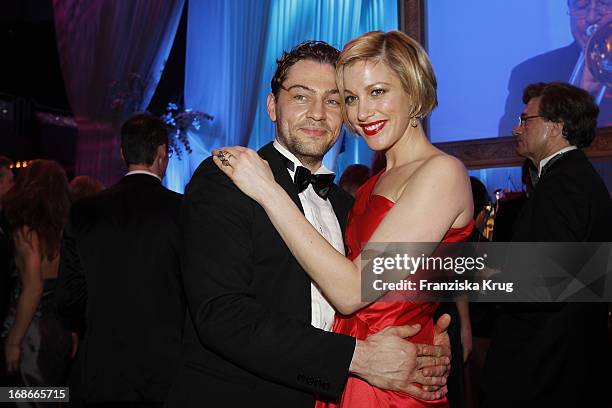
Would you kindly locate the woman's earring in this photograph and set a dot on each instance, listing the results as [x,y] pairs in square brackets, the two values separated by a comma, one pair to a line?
[414,122]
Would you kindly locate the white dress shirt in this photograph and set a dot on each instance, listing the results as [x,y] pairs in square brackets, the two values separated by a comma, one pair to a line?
[129,173]
[320,214]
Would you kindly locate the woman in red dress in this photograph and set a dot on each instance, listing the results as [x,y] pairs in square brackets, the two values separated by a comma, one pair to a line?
[388,86]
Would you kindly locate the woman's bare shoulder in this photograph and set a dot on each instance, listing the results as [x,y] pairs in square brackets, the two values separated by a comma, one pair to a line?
[443,162]
[437,168]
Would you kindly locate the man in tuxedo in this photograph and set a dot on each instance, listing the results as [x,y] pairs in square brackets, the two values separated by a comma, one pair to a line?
[261,327]
[120,270]
[553,354]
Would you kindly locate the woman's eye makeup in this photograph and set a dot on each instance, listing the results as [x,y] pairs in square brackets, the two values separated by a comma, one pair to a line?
[378,91]
[350,99]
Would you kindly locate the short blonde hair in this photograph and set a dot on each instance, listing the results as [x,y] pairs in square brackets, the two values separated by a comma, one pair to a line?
[404,56]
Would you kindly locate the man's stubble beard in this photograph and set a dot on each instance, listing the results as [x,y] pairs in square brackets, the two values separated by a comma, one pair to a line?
[309,154]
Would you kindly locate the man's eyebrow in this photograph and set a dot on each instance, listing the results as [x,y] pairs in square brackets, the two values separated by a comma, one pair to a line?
[300,86]
[327,92]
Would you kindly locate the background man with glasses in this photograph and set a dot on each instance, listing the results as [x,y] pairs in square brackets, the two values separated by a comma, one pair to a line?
[563,64]
[554,354]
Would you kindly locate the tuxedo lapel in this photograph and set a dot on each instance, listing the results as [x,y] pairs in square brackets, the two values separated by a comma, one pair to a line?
[282,177]
[281,174]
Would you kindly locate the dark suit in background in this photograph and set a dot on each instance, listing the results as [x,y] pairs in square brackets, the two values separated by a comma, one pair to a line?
[253,343]
[120,269]
[554,355]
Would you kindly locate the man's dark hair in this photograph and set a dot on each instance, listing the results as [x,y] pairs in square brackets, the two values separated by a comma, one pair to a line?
[140,136]
[575,107]
[318,51]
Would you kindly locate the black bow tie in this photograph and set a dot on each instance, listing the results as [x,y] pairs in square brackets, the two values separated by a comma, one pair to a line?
[321,183]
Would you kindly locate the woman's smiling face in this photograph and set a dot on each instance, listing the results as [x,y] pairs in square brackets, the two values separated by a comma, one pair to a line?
[376,104]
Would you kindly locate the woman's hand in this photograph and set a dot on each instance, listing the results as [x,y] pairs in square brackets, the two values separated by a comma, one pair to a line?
[25,241]
[249,172]
[12,354]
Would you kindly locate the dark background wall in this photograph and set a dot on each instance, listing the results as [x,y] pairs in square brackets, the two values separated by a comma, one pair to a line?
[34,107]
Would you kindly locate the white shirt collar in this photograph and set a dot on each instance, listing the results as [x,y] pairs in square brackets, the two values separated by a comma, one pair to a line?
[282,150]
[547,159]
[129,173]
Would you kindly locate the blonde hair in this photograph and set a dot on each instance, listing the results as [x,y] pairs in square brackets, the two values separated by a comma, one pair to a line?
[404,56]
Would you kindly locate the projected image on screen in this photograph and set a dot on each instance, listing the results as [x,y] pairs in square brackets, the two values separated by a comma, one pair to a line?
[586,62]
[485,56]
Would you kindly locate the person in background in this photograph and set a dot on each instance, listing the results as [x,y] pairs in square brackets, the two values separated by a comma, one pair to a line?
[84,186]
[548,354]
[480,314]
[120,272]
[480,195]
[511,205]
[36,343]
[563,64]
[6,246]
[353,177]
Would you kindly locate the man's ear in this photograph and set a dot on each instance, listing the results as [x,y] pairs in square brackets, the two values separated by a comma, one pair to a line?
[271,106]
[557,129]
[162,152]
[121,152]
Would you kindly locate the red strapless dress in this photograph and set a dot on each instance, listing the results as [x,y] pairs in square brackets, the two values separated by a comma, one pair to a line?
[368,211]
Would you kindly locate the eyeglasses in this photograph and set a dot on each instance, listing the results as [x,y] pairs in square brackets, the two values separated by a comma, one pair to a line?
[524,119]
[603,7]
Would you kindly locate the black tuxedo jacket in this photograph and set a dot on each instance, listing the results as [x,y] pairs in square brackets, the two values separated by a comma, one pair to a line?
[253,343]
[120,269]
[554,354]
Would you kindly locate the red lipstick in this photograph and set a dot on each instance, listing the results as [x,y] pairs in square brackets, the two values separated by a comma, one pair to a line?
[372,128]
